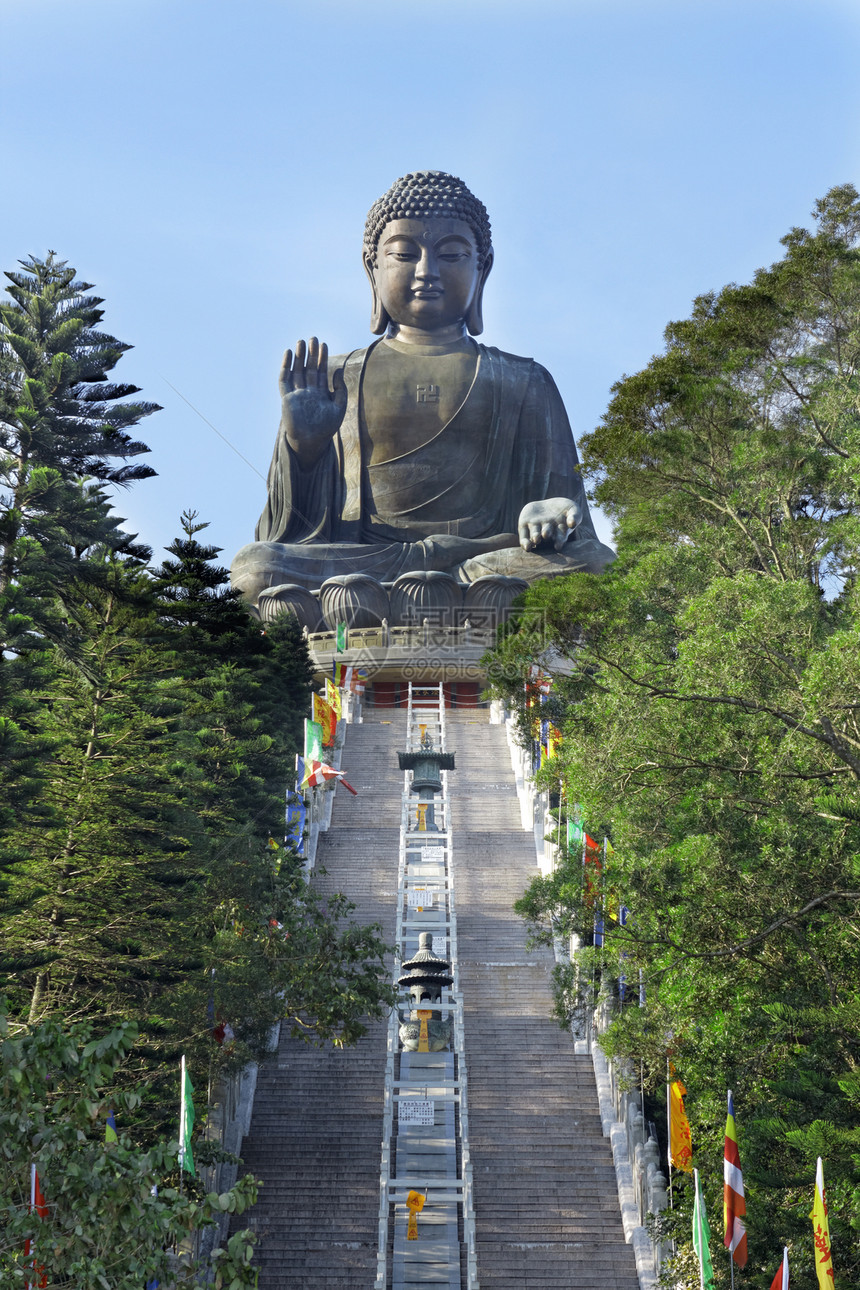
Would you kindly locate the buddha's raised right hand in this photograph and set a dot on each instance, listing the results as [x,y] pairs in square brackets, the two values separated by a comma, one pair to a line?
[311,413]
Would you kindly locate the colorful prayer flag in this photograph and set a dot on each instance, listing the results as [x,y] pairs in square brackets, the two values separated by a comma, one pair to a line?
[342,674]
[821,1233]
[186,1120]
[319,772]
[680,1139]
[701,1237]
[539,679]
[734,1202]
[224,1035]
[780,1281]
[340,638]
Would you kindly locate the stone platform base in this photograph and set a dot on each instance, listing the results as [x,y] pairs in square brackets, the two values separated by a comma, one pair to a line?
[425,654]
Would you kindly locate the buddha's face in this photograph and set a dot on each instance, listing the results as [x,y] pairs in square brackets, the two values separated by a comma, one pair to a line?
[427,272]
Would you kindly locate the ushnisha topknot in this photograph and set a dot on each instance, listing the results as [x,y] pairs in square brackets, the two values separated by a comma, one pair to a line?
[428,194]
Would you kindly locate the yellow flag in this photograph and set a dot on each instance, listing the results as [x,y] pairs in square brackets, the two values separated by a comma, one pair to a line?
[821,1233]
[332,694]
[324,715]
[680,1140]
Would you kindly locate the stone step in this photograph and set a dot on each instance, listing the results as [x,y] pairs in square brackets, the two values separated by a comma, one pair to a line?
[547,1214]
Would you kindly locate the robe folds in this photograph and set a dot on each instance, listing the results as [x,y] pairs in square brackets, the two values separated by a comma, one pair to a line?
[454,498]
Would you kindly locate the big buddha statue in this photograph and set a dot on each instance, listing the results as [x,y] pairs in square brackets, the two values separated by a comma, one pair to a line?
[425,450]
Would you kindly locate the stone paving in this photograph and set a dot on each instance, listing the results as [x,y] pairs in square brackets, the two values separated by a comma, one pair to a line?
[546,1201]
[545,1195]
[316,1131]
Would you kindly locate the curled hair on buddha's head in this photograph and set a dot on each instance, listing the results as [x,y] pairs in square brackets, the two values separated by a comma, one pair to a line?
[428,194]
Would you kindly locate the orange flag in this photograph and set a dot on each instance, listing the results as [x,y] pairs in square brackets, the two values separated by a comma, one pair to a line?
[680,1140]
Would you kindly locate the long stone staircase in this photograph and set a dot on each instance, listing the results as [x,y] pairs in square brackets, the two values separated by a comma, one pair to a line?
[317,1124]
[546,1201]
[546,1205]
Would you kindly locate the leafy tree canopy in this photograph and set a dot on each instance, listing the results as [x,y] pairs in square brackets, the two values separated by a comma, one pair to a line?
[116,1214]
[707,692]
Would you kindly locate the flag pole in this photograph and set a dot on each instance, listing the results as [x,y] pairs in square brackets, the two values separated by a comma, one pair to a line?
[32,1244]
[701,1234]
[669,1128]
[181,1122]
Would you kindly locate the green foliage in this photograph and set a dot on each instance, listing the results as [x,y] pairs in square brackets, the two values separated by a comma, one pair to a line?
[116,1213]
[709,706]
[179,906]
[148,728]
[62,422]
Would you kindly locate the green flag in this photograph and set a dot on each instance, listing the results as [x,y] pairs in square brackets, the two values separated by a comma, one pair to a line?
[575,831]
[186,1121]
[701,1237]
[313,742]
[341,638]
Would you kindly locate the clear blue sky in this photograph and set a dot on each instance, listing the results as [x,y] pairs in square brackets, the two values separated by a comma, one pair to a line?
[209,167]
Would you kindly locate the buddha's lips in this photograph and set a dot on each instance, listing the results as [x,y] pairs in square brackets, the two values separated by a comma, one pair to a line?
[429,294]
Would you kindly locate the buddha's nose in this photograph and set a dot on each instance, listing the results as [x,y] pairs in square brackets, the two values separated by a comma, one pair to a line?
[427,267]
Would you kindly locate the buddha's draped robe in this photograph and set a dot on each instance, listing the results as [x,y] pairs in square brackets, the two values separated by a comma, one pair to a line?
[441,505]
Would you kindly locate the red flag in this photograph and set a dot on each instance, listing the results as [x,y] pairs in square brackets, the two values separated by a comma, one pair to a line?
[734,1203]
[780,1281]
[37,1206]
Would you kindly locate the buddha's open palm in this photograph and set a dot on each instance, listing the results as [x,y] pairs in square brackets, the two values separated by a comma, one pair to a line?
[310,413]
[552,520]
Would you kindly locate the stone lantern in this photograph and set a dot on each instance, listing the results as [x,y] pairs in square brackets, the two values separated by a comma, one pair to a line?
[424,976]
[425,765]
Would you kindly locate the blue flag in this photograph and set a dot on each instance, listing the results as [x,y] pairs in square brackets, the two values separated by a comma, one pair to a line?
[295,821]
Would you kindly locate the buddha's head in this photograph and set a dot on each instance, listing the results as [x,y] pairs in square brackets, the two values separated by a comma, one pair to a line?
[427,253]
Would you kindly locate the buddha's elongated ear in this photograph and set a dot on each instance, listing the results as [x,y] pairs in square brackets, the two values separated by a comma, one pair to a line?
[379,319]
[474,314]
